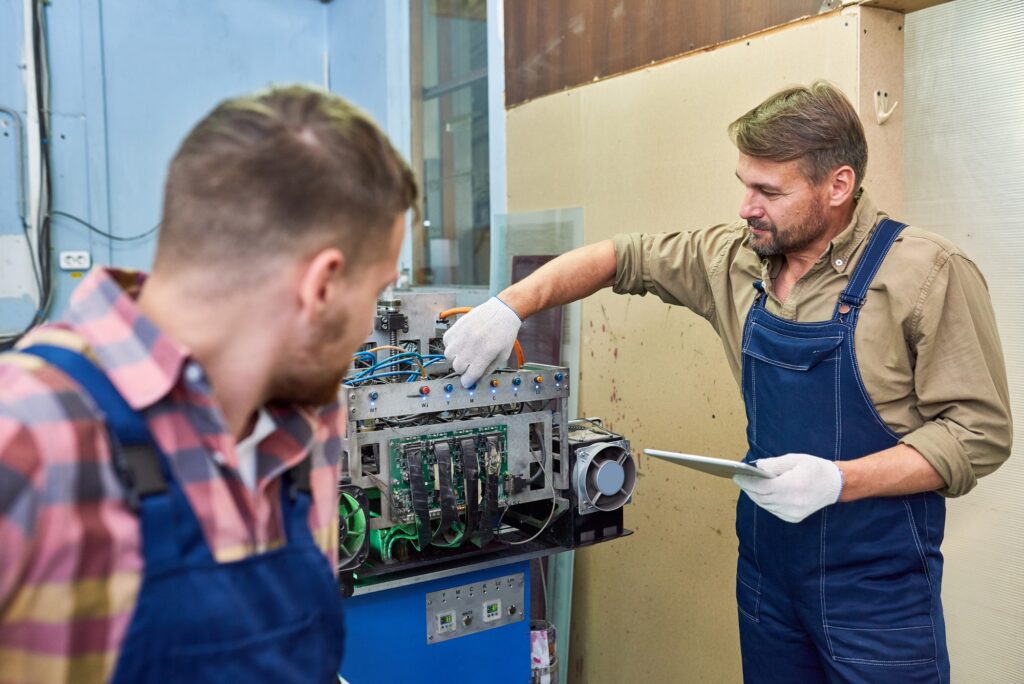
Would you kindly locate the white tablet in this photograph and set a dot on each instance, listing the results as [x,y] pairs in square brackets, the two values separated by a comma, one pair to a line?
[714,466]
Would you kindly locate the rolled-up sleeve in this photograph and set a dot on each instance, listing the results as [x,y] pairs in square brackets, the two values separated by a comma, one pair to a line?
[673,266]
[960,377]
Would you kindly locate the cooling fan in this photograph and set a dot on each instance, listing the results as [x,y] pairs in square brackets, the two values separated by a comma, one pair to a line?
[353,528]
[604,476]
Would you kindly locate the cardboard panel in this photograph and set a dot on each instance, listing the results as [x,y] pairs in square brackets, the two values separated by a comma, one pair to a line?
[903,6]
[556,44]
[648,151]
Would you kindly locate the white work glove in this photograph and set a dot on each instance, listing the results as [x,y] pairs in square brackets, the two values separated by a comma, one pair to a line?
[481,340]
[803,485]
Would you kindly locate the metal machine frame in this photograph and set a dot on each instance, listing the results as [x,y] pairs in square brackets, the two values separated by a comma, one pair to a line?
[456,489]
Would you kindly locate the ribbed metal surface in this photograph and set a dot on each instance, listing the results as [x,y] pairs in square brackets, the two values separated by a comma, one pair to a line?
[964,151]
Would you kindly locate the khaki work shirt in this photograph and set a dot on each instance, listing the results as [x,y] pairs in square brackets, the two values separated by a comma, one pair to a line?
[927,344]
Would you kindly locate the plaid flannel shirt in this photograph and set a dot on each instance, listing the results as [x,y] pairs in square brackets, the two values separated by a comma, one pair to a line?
[70,563]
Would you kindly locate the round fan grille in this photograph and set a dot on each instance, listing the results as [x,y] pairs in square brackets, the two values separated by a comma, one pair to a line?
[605,476]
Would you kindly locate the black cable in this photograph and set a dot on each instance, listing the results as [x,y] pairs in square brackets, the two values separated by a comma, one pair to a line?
[109,236]
[446,490]
[41,53]
[485,528]
[471,488]
[44,282]
[418,493]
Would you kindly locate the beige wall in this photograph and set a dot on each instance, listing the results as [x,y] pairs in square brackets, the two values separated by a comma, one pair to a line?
[648,151]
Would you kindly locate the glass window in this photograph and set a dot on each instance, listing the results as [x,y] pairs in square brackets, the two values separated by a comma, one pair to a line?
[452,245]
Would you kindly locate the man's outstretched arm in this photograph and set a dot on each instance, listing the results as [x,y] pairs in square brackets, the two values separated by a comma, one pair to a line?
[482,339]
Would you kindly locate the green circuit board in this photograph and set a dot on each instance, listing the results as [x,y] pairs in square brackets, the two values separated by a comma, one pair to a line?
[401,498]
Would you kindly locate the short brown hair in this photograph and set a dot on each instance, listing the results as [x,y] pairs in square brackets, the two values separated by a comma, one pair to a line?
[815,124]
[286,171]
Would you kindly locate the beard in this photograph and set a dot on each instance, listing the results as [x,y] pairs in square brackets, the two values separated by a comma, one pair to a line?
[307,388]
[791,239]
[319,366]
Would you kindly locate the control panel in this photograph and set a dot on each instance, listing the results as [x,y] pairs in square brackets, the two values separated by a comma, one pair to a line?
[505,388]
[436,474]
[475,607]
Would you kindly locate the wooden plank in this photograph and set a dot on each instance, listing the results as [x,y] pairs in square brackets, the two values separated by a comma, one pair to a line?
[552,45]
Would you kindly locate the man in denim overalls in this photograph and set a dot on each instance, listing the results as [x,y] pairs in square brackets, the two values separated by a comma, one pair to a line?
[872,375]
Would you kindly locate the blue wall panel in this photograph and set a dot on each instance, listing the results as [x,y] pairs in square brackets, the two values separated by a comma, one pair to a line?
[17,289]
[166,64]
[10,193]
[11,93]
[69,167]
[357,35]
[369,48]
[130,78]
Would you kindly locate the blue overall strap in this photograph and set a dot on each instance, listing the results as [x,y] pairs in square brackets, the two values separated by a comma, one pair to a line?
[296,497]
[122,420]
[137,463]
[141,467]
[762,294]
[881,240]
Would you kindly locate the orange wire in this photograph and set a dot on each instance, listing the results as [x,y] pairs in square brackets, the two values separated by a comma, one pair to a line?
[454,312]
[520,357]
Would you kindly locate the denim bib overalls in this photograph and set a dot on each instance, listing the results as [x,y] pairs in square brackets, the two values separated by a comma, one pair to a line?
[273,617]
[852,593]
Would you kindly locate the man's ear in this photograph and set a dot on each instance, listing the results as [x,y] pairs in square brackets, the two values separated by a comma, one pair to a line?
[318,282]
[842,183]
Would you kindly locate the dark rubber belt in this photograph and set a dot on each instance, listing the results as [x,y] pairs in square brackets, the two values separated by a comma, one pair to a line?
[490,498]
[471,473]
[418,490]
[449,508]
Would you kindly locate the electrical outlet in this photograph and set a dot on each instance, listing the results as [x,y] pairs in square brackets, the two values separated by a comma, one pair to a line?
[75,261]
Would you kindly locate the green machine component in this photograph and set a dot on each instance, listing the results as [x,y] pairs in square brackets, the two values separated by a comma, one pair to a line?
[353,520]
[446,488]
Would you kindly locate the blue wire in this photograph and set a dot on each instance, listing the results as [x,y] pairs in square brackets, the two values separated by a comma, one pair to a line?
[396,357]
[351,381]
[373,372]
[365,357]
[391,361]
[428,364]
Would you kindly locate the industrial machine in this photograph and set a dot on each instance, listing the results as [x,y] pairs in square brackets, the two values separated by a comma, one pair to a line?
[447,492]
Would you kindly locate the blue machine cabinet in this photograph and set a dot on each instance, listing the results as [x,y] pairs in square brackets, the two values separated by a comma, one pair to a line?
[388,629]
